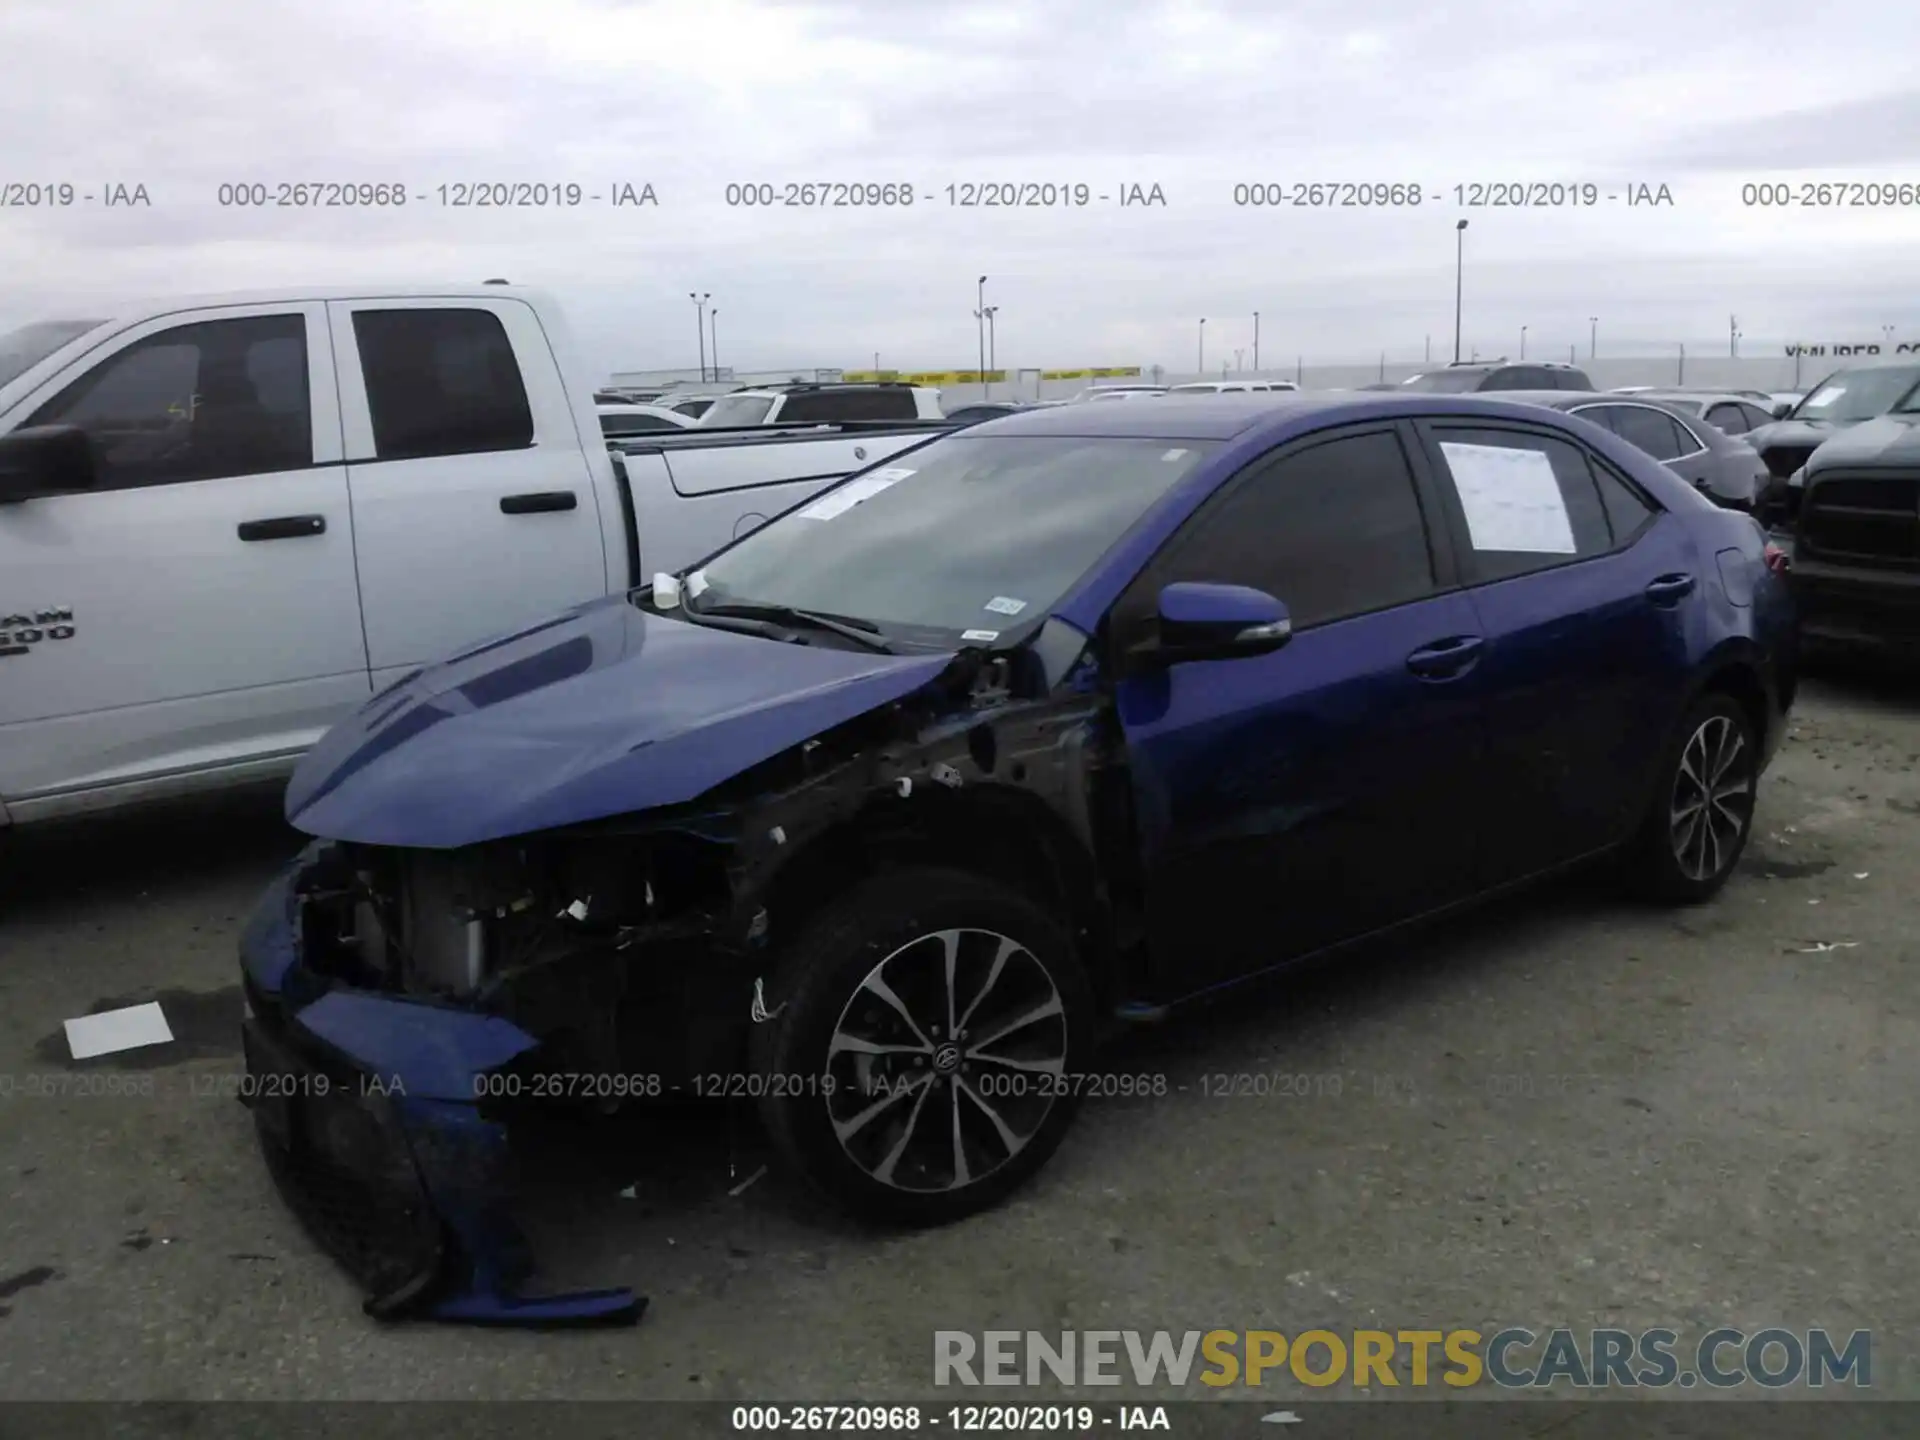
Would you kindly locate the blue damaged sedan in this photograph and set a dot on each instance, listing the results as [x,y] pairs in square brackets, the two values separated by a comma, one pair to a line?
[889,813]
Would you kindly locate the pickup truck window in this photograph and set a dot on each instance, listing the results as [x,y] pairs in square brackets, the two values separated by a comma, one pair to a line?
[441,382]
[197,402]
[972,532]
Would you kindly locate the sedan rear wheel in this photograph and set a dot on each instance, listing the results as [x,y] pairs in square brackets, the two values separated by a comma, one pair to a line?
[1698,828]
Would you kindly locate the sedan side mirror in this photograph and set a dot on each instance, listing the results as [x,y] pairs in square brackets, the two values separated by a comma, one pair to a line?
[1200,621]
[45,460]
[1783,409]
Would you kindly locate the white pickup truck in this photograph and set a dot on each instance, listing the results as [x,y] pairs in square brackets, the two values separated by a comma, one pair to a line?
[226,521]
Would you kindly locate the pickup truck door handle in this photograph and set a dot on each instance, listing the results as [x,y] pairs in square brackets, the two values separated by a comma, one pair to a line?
[1446,659]
[539,502]
[283,527]
[1669,589]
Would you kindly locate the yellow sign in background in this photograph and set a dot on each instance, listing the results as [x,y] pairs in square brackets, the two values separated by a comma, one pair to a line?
[990,377]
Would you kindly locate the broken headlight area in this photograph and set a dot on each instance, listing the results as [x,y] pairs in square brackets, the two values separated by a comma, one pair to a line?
[409,1011]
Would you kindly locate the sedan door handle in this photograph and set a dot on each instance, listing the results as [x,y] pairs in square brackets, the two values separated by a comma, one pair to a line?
[283,527]
[1445,659]
[1670,589]
[539,502]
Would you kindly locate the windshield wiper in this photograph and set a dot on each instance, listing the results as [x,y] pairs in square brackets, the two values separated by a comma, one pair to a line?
[861,632]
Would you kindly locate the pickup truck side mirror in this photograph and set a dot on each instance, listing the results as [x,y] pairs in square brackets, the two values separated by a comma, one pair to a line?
[1215,622]
[46,460]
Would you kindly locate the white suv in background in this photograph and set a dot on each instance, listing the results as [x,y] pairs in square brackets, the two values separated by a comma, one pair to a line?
[824,403]
[1231,387]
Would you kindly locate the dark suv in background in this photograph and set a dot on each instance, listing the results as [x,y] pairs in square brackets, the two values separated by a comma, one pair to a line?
[1476,377]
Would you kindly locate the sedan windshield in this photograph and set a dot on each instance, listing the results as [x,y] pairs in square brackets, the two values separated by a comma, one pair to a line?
[1446,382]
[22,349]
[1850,396]
[966,537]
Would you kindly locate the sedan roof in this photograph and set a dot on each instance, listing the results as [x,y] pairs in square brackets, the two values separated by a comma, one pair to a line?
[1235,416]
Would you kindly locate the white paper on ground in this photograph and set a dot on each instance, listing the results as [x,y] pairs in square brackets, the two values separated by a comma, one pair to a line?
[838,502]
[1511,497]
[114,1030]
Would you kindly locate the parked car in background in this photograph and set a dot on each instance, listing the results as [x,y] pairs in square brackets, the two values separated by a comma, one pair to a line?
[693,408]
[1479,376]
[1719,466]
[809,403]
[1732,412]
[1119,392]
[1844,399]
[226,521]
[619,421]
[986,410]
[1853,542]
[927,786]
[1231,387]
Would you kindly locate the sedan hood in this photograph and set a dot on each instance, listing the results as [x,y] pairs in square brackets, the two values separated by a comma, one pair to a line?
[1892,440]
[604,711]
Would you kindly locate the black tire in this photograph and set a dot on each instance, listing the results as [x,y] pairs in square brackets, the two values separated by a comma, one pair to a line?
[898,919]
[1677,864]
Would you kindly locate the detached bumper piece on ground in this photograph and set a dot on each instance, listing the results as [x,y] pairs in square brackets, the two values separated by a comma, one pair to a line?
[368,1122]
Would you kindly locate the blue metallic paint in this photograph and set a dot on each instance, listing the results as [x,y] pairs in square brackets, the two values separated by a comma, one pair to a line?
[616,710]
[1356,761]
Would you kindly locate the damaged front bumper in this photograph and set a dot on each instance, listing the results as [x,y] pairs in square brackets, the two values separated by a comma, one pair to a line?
[365,1106]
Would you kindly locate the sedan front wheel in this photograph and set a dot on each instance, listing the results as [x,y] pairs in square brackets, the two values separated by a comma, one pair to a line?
[919,1060]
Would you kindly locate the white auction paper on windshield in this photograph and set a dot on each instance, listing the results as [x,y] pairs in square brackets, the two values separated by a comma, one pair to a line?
[838,502]
[1511,497]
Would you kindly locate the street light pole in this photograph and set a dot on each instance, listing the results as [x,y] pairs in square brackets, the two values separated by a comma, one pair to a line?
[993,362]
[1459,273]
[713,325]
[980,324]
[1201,369]
[1593,336]
[700,324]
[1523,342]
[1256,342]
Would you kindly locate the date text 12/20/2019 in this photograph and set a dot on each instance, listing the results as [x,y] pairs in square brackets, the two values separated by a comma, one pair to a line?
[1473,195]
[958,1419]
[965,195]
[451,195]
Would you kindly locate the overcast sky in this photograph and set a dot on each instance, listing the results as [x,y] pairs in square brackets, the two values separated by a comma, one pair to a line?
[185,96]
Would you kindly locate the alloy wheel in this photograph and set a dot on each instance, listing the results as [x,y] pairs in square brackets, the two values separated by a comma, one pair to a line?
[946,1060]
[1712,803]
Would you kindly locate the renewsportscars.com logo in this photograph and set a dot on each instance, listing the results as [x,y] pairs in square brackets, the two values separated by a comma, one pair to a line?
[1514,1358]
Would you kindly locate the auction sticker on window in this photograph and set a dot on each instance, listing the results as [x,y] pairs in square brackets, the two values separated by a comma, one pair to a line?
[1005,605]
[1511,497]
[838,502]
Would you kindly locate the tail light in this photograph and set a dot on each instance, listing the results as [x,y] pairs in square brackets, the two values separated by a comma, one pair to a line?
[1778,561]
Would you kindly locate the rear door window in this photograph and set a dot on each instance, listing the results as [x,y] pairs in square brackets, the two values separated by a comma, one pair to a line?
[1526,501]
[441,382]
